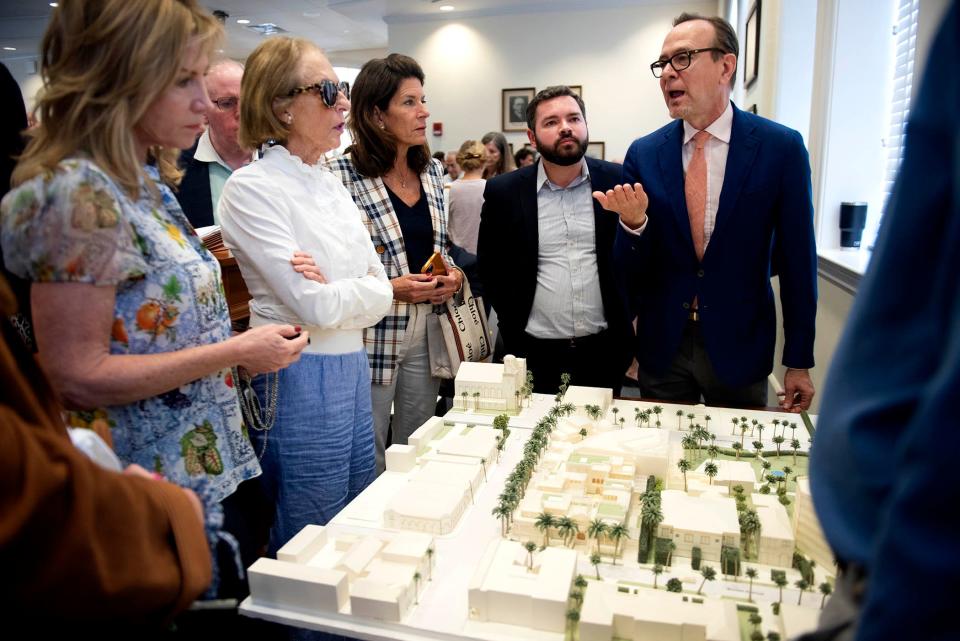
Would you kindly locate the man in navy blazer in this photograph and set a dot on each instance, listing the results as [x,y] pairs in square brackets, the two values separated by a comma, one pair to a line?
[545,254]
[701,286]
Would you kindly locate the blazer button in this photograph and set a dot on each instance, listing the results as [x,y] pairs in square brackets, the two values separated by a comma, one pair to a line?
[380,249]
[700,273]
[686,305]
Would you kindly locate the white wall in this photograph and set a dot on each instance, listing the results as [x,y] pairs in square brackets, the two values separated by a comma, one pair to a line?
[608,52]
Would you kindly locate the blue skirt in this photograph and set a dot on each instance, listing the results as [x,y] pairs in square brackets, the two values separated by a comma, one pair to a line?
[319,454]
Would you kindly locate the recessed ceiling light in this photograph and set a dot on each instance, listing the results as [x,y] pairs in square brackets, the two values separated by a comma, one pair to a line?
[54,4]
[9,48]
[346,31]
[447,7]
[243,21]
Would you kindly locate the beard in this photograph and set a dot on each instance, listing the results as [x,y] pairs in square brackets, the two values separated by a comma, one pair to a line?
[563,157]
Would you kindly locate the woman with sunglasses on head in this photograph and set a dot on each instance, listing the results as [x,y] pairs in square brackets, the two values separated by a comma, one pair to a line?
[399,188]
[318,454]
[130,318]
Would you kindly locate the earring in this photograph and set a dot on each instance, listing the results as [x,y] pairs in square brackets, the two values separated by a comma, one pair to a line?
[382,126]
[289,118]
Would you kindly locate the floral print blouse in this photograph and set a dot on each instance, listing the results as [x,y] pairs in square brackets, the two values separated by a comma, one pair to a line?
[76,225]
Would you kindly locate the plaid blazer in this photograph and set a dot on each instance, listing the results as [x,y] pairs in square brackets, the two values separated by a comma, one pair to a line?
[383,340]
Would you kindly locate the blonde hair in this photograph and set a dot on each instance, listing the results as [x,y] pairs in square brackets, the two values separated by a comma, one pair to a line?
[471,155]
[271,72]
[104,62]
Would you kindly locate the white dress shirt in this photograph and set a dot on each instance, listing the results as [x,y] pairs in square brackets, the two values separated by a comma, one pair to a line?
[279,205]
[567,301]
[715,153]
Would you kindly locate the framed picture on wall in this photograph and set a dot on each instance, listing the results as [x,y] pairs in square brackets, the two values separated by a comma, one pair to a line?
[596,149]
[514,108]
[751,46]
[577,89]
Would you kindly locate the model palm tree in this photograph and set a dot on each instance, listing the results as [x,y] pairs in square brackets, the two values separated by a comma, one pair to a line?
[617,533]
[825,590]
[793,430]
[780,580]
[713,450]
[758,446]
[595,530]
[760,428]
[501,512]
[679,418]
[564,382]
[690,420]
[706,422]
[743,432]
[737,448]
[580,582]
[795,445]
[711,470]
[778,441]
[530,547]
[775,423]
[687,443]
[684,466]
[568,408]
[749,528]
[734,421]
[476,400]
[416,587]
[751,574]
[430,553]
[755,620]
[656,412]
[595,561]
[464,395]
[709,574]
[593,411]
[637,415]
[564,525]
[803,584]
[544,523]
[573,616]
[583,433]
[614,410]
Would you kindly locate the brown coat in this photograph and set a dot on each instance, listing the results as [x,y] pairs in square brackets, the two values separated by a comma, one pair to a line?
[79,544]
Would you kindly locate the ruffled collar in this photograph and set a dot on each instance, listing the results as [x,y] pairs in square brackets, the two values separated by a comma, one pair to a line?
[281,152]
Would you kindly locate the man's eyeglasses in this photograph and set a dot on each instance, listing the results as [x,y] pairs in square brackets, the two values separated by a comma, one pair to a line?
[227,104]
[328,91]
[679,61]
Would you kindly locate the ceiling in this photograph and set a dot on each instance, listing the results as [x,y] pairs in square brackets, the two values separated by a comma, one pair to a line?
[336,25]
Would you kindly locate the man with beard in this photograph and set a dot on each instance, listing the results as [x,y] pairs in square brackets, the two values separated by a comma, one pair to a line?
[545,254]
[728,199]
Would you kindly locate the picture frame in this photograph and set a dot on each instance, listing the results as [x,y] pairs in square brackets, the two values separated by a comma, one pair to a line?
[513,104]
[752,108]
[577,89]
[751,46]
[597,149]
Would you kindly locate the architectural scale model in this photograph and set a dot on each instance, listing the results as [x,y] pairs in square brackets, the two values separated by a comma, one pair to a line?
[609,519]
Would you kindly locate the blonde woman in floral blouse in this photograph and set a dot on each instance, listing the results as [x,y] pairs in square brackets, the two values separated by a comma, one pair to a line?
[130,316]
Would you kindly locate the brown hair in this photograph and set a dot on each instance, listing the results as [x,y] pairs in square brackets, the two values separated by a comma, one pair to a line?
[506,159]
[103,64]
[549,94]
[374,149]
[470,156]
[271,72]
[725,37]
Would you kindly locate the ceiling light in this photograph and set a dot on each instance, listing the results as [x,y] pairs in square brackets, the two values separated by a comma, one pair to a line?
[447,7]
[243,21]
[54,4]
[9,48]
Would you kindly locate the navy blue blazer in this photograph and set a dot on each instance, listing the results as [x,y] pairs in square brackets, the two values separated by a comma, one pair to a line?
[193,193]
[509,243]
[764,225]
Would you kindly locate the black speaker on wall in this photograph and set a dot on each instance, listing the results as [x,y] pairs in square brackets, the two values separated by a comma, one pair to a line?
[853,218]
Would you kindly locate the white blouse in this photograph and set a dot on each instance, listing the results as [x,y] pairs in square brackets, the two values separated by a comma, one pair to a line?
[278,205]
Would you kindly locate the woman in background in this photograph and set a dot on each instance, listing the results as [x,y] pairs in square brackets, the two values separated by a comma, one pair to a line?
[498,160]
[318,455]
[466,197]
[399,189]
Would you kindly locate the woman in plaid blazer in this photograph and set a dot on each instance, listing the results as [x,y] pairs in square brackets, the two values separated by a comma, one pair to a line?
[399,189]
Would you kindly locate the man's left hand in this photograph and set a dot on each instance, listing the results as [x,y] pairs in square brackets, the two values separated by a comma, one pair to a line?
[798,390]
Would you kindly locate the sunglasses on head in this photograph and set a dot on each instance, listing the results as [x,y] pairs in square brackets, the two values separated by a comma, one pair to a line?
[328,91]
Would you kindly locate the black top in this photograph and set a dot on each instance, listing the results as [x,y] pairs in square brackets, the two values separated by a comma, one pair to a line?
[416,227]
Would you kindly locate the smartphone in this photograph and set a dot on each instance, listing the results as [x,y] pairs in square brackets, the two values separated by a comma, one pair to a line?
[434,266]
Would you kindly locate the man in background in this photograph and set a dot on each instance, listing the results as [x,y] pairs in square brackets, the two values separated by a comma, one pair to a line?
[217,153]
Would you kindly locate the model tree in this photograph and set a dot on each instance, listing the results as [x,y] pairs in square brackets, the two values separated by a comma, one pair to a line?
[476,400]
[416,587]
[755,620]
[751,574]
[679,418]
[637,415]
[656,412]
[593,411]
[543,523]
[780,580]
[573,616]
[502,512]
[825,590]
[711,470]
[617,533]
[530,547]
[464,395]
[430,553]
[595,530]
[778,441]
[615,410]
[564,383]
[709,574]
[657,571]
[802,584]
[580,582]
[583,433]
[674,585]
[690,419]
[795,445]
[736,449]
[684,466]
[743,432]
[566,528]
[749,528]
[595,561]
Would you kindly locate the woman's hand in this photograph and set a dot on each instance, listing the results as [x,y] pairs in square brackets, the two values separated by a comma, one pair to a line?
[447,286]
[303,264]
[269,348]
[414,288]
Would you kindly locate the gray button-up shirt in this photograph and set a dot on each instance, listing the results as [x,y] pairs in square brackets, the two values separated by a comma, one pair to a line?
[567,301]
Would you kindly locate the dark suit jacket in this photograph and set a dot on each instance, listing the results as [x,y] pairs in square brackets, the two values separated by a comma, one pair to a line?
[194,192]
[764,219]
[508,247]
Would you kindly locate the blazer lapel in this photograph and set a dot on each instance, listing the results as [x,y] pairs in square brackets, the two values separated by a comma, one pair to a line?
[528,215]
[379,209]
[669,155]
[740,159]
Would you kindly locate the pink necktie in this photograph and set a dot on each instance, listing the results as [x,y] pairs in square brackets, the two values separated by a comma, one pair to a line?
[695,188]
